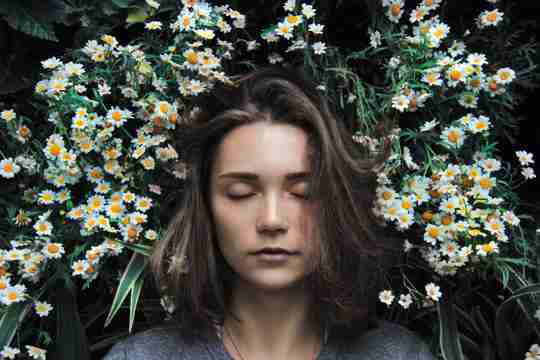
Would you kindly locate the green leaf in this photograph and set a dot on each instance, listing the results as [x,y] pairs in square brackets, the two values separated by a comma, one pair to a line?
[449,336]
[122,3]
[21,20]
[133,271]
[503,319]
[136,15]
[135,294]
[138,248]
[71,342]
[9,322]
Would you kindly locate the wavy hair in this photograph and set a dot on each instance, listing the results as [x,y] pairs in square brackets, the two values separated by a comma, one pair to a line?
[350,239]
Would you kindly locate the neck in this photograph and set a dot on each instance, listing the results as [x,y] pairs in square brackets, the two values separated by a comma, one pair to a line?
[273,324]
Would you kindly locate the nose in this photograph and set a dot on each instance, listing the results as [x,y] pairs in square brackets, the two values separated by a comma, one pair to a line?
[271,217]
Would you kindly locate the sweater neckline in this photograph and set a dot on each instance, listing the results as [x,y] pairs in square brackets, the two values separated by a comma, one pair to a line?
[224,354]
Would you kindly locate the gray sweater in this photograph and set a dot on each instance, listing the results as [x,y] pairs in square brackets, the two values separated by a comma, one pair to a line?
[387,342]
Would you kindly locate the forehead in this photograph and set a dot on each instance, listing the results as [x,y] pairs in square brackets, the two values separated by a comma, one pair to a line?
[263,148]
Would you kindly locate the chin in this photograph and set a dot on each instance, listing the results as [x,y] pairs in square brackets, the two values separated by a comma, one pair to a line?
[273,280]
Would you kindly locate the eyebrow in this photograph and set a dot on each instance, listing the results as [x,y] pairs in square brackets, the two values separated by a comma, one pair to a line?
[250,176]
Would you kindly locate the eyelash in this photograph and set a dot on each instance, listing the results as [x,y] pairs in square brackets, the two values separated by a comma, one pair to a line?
[241,197]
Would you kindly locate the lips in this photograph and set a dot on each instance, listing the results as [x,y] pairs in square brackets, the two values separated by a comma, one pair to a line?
[274,251]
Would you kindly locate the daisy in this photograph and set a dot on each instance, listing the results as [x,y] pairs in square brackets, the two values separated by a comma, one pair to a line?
[79,267]
[524,158]
[510,218]
[405,300]
[73,69]
[375,39]
[143,203]
[528,173]
[486,249]
[151,235]
[490,18]
[293,20]
[9,352]
[400,102]
[453,137]
[185,21]
[153,25]
[42,308]
[319,48]
[505,76]
[8,115]
[449,205]
[128,197]
[490,165]
[13,294]
[429,125]
[104,89]
[308,11]
[455,74]
[417,15]
[46,197]
[43,227]
[430,4]
[9,168]
[289,5]
[118,117]
[439,31]
[51,63]
[468,100]
[477,59]
[95,203]
[36,353]
[285,30]
[94,174]
[316,29]
[205,34]
[433,291]
[53,250]
[432,78]
[395,10]
[386,297]
[432,234]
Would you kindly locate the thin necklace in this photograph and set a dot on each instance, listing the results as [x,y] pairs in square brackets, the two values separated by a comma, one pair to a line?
[242,357]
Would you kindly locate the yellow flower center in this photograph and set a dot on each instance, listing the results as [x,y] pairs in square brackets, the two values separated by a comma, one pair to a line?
[395,9]
[117,115]
[492,16]
[455,75]
[53,248]
[434,232]
[485,183]
[8,167]
[192,58]
[453,136]
[55,149]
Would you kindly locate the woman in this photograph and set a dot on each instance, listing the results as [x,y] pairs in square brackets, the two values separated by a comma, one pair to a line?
[268,256]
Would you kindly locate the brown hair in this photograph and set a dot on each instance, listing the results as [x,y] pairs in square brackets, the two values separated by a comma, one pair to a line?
[343,185]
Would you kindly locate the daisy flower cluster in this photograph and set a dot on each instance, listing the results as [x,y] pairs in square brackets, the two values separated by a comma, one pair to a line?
[204,36]
[299,28]
[457,205]
[454,202]
[112,110]
[439,64]
[432,294]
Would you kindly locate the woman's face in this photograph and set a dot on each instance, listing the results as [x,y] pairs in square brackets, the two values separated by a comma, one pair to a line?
[258,186]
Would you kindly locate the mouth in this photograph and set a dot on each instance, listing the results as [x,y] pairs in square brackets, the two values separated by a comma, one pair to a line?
[275,251]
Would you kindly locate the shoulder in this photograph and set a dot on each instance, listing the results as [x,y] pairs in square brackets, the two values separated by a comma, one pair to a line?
[389,341]
[163,342]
